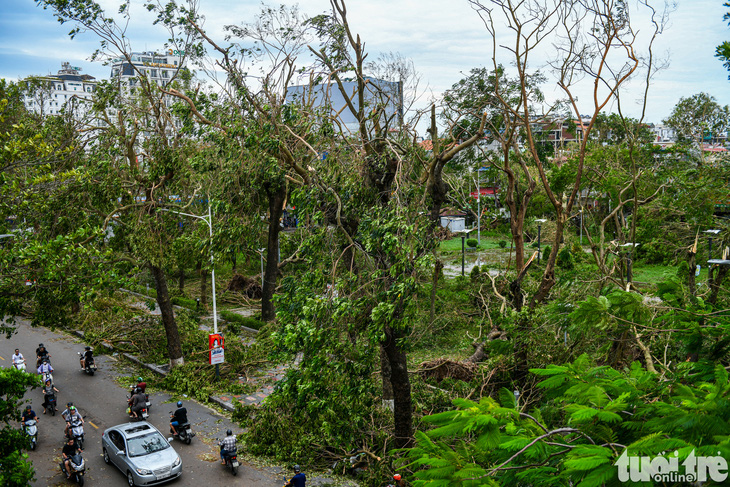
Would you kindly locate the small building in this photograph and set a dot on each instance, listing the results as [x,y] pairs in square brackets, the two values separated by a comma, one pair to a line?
[52,94]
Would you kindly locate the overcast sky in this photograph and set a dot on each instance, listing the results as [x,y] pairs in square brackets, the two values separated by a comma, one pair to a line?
[445,39]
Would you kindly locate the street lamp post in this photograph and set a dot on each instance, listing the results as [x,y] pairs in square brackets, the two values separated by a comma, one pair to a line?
[711,233]
[581,226]
[209,221]
[479,205]
[539,221]
[462,254]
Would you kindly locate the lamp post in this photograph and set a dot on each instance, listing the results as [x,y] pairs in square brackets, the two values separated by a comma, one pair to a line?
[539,221]
[711,233]
[209,221]
[463,237]
[261,253]
[581,226]
[479,205]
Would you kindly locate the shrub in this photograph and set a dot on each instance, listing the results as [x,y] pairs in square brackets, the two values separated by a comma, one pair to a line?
[472,242]
[185,302]
[474,274]
[235,321]
[565,259]
[502,244]
[546,251]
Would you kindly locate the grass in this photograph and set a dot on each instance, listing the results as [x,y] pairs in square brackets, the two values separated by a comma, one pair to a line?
[488,243]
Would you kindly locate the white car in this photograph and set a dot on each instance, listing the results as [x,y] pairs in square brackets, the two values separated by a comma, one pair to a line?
[142,453]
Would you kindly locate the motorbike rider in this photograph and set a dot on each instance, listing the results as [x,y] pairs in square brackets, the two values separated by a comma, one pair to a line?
[41,353]
[69,449]
[87,358]
[228,446]
[74,418]
[178,418]
[18,360]
[66,415]
[137,403]
[45,367]
[48,390]
[299,479]
[28,414]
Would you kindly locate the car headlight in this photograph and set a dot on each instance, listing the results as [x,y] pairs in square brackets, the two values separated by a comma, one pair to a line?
[177,462]
[144,471]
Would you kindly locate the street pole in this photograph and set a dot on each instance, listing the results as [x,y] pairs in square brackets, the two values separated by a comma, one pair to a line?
[261,253]
[462,255]
[581,226]
[539,221]
[479,207]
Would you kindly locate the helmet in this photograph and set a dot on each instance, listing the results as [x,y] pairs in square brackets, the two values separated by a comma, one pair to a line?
[296,468]
[72,408]
[396,476]
[28,406]
[229,432]
[48,380]
[40,345]
[137,390]
[139,379]
[179,404]
[69,404]
[88,348]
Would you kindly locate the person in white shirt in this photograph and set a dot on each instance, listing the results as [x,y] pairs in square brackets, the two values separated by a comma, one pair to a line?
[18,360]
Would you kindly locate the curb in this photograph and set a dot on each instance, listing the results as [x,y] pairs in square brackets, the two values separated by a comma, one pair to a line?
[154,368]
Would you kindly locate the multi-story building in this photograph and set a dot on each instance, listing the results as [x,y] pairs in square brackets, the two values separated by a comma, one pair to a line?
[385,97]
[160,68]
[51,95]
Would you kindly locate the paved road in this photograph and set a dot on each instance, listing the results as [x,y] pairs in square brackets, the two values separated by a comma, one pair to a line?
[101,401]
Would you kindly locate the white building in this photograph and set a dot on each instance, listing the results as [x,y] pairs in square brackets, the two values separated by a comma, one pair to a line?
[380,95]
[50,95]
[160,68]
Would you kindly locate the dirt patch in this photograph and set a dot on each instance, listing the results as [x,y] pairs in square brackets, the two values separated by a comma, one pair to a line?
[244,285]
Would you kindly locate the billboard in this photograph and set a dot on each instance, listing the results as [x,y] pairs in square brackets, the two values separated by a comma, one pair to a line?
[216,347]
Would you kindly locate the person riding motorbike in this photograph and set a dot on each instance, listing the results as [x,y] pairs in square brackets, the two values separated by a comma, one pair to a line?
[28,414]
[18,360]
[69,449]
[179,417]
[41,353]
[228,446]
[137,403]
[87,358]
[73,417]
[299,479]
[48,391]
[140,384]
[66,415]
[45,367]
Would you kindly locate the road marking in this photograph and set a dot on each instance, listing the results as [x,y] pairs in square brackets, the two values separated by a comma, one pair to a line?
[1,358]
[92,424]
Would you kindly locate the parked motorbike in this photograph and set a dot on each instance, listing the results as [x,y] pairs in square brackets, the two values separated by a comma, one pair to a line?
[184,433]
[232,461]
[76,431]
[31,429]
[78,467]
[90,367]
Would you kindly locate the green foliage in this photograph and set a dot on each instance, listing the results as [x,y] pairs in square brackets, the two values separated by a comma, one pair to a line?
[235,320]
[502,244]
[472,242]
[565,259]
[596,410]
[16,470]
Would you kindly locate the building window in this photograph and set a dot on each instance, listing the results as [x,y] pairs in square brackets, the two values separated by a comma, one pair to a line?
[165,73]
[154,73]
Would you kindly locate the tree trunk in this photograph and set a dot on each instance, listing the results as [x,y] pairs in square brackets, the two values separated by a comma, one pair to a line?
[401,384]
[434,283]
[385,374]
[174,348]
[181,281]
[276,200]
[203,288]
[234,261]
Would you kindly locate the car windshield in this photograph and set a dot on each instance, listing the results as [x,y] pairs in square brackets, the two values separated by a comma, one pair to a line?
[144,445]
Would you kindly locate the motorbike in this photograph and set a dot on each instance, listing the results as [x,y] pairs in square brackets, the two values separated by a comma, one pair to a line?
[51,404]
[76,431]
[232,461]
[183,433]
[31,429]
[78,467]
[146,397]
[90,367]
[143,414]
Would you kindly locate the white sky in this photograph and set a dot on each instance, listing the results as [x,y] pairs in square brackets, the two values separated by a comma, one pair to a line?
[445,39]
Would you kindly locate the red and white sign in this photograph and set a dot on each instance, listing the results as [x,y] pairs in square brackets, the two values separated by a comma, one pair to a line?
[216,345]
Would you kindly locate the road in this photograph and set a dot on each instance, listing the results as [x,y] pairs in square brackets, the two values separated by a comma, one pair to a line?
[102,402]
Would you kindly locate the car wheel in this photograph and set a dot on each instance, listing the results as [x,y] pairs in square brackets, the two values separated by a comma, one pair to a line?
[106,456]
[130,479]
